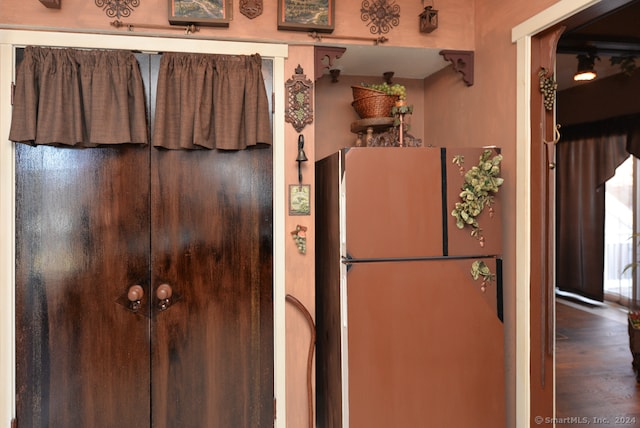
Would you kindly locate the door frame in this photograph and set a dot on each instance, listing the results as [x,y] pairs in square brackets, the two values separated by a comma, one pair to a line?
[522,35]
[12,38]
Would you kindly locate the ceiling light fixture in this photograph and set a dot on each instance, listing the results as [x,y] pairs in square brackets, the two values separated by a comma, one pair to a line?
[586,70]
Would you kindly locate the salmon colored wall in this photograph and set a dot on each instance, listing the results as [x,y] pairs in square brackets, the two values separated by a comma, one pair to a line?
[300,275]
[455,30]
[485,114]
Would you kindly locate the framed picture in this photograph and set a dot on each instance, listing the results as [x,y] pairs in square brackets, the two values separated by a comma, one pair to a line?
[306,15]
[211,13]
[299,199]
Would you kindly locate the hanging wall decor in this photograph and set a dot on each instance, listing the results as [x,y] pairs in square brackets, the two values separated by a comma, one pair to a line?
[300,237]
[117,8]
[211,14]
[380,15]
[316,15]
[428,19]
[299,199]
[251,8]
[548,88]
[299,110]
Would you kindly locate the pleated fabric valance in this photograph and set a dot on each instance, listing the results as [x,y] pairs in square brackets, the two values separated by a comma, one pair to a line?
[80,98]
[211,101]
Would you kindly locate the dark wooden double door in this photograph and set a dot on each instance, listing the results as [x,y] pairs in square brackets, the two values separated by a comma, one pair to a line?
[92,223]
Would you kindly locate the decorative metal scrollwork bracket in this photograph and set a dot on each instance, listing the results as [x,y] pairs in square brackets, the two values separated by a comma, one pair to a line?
[380,15]
[117,8]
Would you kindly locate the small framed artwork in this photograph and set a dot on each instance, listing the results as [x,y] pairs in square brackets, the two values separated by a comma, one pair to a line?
[299,202]
[309,15]
[210,13]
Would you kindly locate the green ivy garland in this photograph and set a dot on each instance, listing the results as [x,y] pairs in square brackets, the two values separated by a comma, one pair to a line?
[479,269]
[480,183]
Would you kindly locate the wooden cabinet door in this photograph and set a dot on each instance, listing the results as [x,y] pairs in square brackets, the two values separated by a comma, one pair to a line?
[90,223]
[82,239]
[212,350]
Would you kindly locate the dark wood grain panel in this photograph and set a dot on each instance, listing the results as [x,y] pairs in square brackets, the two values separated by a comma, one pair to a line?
[82,238]
[328,314]
[212,241]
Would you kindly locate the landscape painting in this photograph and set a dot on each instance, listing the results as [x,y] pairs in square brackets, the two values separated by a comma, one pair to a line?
[306,15]
[204,12]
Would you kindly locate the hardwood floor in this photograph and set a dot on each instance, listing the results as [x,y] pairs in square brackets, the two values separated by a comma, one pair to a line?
[595,383]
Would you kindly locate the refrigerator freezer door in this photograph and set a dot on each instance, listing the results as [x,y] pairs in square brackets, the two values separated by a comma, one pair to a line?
[392,202]
[425,346]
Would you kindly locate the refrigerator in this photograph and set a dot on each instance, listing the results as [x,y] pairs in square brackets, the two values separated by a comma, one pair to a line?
[405,336]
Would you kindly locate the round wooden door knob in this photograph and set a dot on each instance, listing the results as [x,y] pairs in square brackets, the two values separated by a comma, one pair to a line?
[135,293]
[164,292]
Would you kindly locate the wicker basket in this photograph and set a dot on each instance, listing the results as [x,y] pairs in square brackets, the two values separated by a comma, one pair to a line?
[374,106]
[361,92]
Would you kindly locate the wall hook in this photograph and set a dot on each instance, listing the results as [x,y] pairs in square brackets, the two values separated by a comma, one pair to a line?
[556,136]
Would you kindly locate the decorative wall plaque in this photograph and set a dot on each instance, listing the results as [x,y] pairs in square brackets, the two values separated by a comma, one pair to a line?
[251,8]
[299,199]
[206,13]
[306,15]
[299,110]
[380,15]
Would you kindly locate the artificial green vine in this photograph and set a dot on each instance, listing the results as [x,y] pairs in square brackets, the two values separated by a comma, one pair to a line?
[480,183]
[479,269]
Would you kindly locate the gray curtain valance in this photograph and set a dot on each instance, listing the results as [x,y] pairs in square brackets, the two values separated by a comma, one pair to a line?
[78,98]
[82,98]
